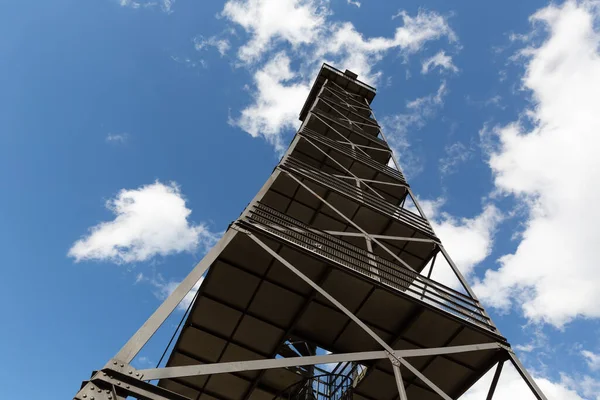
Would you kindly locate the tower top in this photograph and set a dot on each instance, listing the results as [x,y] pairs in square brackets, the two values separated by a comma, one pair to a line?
[346,80]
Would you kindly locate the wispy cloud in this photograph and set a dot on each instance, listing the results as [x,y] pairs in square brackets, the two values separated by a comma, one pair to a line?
[592,359]
[221,44]
[165,5]
[398,127]
[456,153]
[117,137]
[441,60]
[164,288]
[354,3]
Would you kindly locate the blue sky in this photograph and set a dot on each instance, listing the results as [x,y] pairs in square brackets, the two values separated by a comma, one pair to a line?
[132,132]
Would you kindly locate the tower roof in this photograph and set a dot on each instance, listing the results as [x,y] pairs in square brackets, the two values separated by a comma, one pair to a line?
[346,80]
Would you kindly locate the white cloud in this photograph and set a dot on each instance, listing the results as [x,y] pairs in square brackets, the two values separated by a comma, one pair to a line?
[117,137]
[552,167]
[277,102]
[511,387]
[439,60]
[397,127]
[468,241]
[151,220]
[354,3]
[222,45]
[592,359]
[456,154]
[294,21]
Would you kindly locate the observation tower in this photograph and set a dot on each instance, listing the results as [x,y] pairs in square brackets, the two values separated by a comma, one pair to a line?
[324,288]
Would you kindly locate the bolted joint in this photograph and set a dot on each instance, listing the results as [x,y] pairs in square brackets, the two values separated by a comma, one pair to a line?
[121,367]
[92,391]
[393,359]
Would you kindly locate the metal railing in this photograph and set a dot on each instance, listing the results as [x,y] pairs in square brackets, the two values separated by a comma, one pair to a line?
[358,195]
[377,269]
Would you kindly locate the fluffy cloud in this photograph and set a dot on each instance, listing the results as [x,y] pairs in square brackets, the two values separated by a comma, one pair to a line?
[439,60]
[511,386]
[151,220]
[294,21]
[277,102]
[551,165]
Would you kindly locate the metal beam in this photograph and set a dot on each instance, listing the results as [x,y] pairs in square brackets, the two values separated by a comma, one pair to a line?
[253,365]
[526,377]
[426,380]
[398,376]
[495,380]
[384,237]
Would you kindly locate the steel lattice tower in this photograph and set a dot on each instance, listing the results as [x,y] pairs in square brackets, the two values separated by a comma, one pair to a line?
[327,265]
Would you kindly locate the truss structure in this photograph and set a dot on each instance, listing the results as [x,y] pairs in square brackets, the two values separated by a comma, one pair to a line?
[333,253]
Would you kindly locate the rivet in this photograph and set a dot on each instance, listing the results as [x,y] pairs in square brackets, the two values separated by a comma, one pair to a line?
[114,363]
[99,390]
[109,397]
[84,396]
[104,374]
[108,391]
[119,383]
[127,386]
[121,365]
[92,388]
[92,398]
[130,372]
[137,374]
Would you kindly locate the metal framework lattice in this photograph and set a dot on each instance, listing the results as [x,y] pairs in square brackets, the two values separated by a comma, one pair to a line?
[331,254]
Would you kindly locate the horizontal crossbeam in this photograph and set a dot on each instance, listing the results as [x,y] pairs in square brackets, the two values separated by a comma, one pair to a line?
[253,365]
